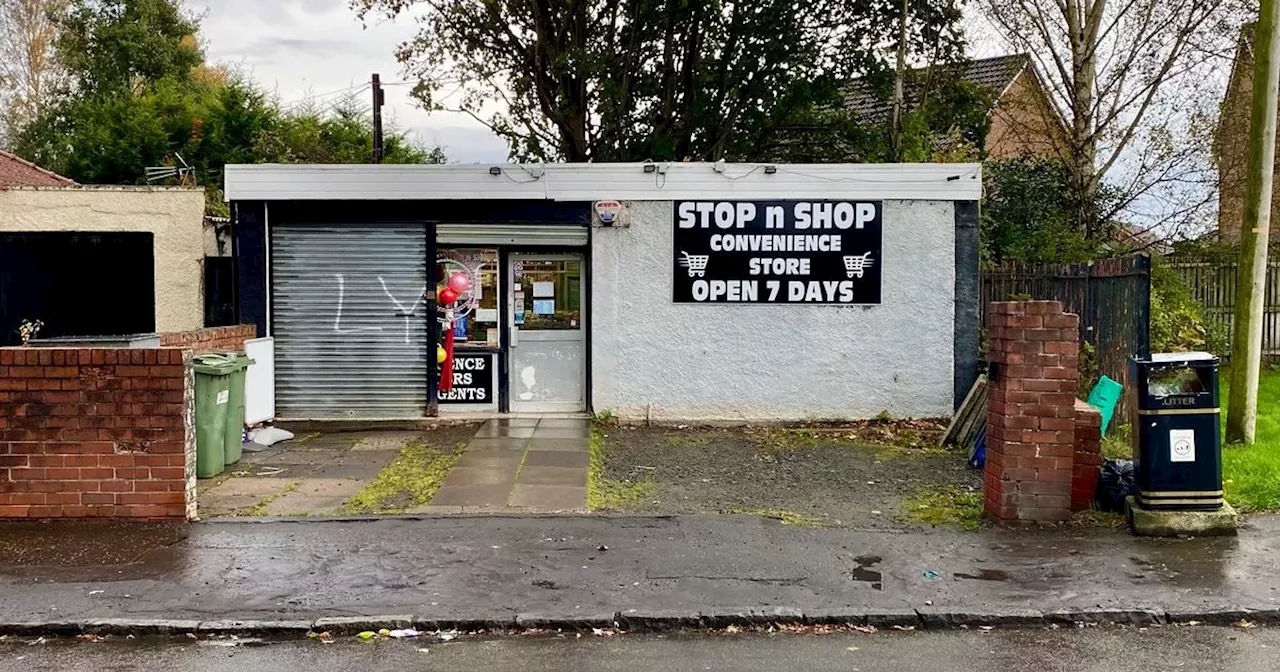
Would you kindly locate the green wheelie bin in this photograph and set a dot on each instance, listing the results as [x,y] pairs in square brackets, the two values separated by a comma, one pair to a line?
[233,442]
[213,397]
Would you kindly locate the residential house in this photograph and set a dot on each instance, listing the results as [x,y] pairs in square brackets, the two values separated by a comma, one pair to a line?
[1231,146]
[1024,119]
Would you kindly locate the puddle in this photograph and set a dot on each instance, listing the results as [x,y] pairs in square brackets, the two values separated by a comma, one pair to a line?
[985,575]
[864,572]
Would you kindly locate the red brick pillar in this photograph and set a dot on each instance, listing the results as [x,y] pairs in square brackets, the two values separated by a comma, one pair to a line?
[1031,411]
[1088,456]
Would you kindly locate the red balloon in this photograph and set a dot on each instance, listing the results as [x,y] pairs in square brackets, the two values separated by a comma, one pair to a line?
[460,283]
[447,295]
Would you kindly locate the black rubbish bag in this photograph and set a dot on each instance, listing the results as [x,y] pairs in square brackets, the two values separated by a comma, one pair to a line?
[1116,482]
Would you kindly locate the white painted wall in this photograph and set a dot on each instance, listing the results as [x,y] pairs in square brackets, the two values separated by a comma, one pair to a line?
[174,215]
[773,362]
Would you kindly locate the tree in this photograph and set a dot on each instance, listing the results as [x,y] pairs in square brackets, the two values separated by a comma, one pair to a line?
[118,45]
[30,73]
[1130,77]
[144,97]
[1028,213]
[615,80]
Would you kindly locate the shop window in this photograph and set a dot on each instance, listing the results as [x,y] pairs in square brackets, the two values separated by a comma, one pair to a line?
[549,294]
[480,328]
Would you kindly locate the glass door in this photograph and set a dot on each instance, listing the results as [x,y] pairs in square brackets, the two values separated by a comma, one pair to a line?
[547,348]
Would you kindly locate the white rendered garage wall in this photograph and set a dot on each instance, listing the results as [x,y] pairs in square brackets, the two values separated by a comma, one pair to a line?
[655,358]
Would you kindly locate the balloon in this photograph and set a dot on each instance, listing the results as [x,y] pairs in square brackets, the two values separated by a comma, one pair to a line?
[447,295]
[441,355]
[459,282]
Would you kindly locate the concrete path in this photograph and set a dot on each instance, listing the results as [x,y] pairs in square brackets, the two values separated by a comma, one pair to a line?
[529,465]
[312,476]
[576,571]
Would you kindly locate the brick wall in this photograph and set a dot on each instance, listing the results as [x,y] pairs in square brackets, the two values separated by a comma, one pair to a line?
[1031,411]
[211,338]
[1087,465]
[96,433]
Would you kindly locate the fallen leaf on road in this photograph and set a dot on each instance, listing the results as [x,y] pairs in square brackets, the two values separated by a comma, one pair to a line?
[733,629]
[851,648]
[367,635]
[904,628]
[40,640]
[866,629]
[1242,623]
[90,637]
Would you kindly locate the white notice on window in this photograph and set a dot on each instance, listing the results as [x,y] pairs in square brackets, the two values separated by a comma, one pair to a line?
[1182,445]
[486,314]
[544,290]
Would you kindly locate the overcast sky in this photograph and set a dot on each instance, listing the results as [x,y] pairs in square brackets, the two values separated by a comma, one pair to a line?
[316,47]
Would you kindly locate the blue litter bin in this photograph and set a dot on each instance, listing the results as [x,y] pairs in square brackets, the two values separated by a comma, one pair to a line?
[1177,440]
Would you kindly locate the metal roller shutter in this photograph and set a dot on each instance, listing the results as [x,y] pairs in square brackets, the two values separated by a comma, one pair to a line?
[349,316]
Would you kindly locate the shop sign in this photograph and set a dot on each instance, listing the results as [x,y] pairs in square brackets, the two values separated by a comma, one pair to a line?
[472,380]
[815,252]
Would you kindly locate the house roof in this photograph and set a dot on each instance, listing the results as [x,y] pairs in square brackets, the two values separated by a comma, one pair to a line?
[995,73]
[19,172]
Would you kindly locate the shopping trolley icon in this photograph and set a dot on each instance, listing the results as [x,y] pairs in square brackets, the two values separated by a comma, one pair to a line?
[856,266]
[696,263]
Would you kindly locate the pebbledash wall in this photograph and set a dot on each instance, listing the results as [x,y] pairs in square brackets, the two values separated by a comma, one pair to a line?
[907,345]
[655,359]
[173,215]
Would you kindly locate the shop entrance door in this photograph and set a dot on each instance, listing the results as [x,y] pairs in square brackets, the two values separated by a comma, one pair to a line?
[547,348]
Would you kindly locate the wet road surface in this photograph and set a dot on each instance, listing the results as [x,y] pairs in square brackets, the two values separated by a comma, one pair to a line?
[1086,650]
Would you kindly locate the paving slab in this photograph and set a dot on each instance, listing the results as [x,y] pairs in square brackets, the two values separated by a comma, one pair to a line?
[504,431]
[549,497]
[472,495]
[566,476]
[565,423]
[579,445]
[583,433]
[507,459]
[494,443]
[580,459]
[466,476]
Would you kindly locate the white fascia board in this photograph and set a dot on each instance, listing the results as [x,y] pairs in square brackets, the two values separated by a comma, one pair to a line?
[596,181]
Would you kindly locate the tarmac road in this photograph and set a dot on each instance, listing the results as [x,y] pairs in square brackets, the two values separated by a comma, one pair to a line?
[1096,649]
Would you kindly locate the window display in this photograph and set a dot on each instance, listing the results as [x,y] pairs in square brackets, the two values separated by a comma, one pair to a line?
[480,328]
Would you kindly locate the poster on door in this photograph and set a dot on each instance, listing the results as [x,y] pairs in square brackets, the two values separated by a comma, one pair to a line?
[796,252]
[472,380]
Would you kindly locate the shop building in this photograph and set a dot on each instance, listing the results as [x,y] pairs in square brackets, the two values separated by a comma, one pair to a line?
[667,292]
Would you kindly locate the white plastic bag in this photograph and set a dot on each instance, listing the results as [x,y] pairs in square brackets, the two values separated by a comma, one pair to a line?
[270,436]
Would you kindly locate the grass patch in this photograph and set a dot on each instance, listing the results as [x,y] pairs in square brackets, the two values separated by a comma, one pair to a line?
[260,509]
[1251,474]
[946,505]
[611,494]
[787,517]
[411,479]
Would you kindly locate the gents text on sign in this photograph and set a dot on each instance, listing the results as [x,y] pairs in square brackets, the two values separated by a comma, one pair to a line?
[777,252]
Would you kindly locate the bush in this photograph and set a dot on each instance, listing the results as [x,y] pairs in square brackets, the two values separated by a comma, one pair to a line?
[1177,319]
